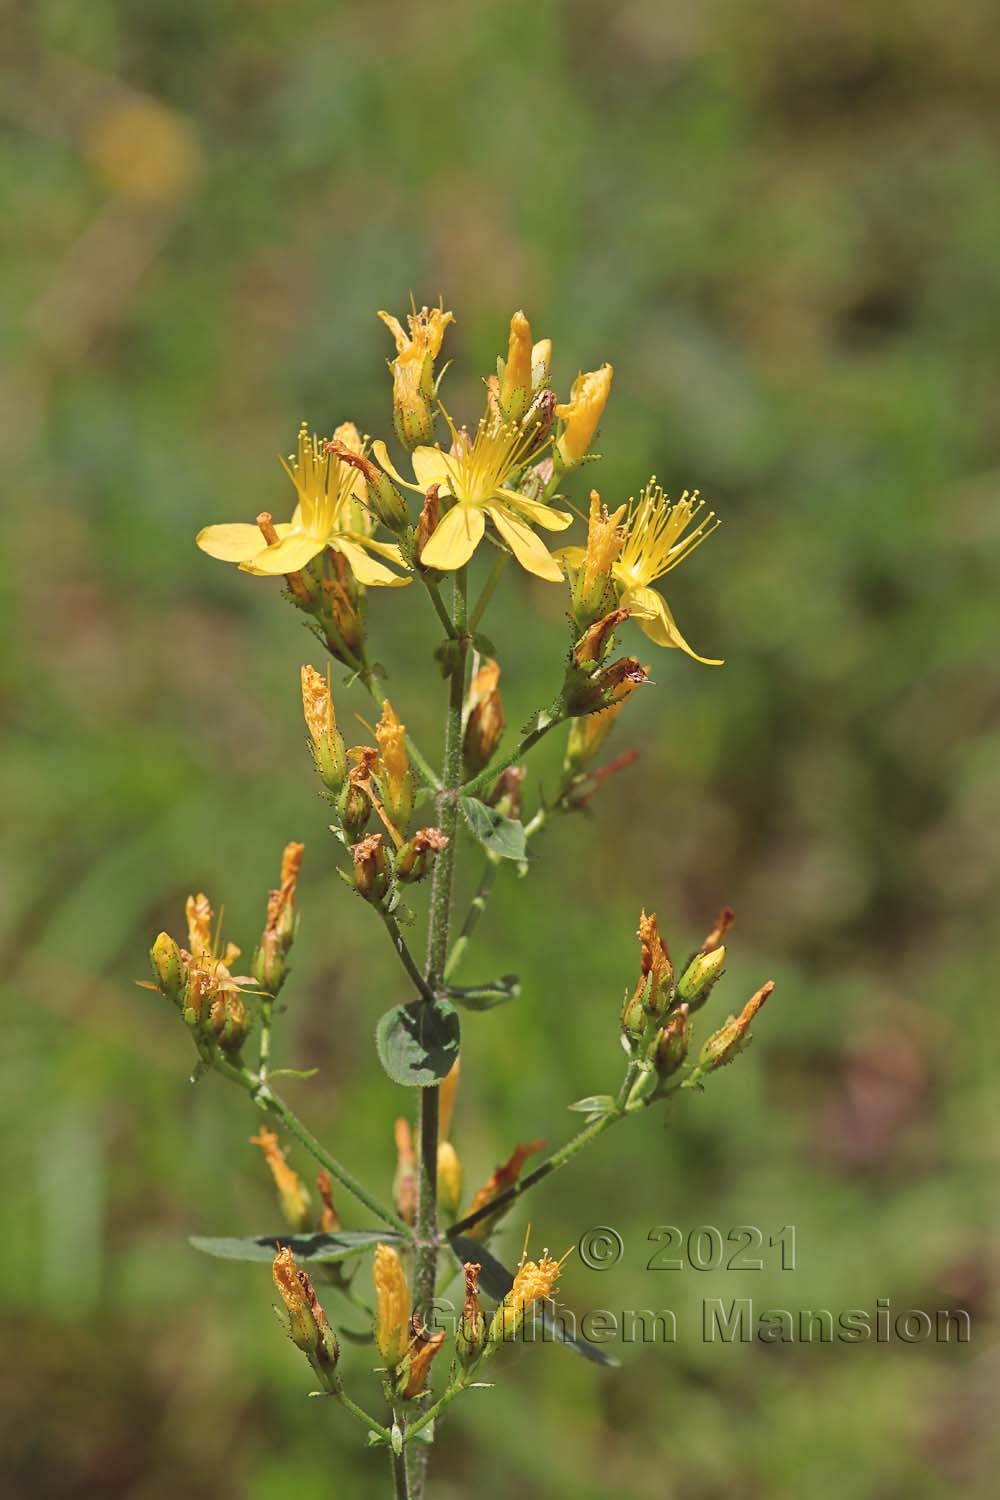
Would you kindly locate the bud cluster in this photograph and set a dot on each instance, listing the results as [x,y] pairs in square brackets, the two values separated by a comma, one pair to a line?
[199,981]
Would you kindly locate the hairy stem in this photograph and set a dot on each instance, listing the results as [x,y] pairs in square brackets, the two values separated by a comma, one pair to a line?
[409,963]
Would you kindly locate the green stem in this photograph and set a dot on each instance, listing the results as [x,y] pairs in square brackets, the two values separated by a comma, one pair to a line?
[400,1482]
[271,1103]
[430,584]
[425,1261]
[551,1164]
[486,778]
[434,1411]
[492,579]
[359,1412]
[266,1018]
[476,908]
[409,963]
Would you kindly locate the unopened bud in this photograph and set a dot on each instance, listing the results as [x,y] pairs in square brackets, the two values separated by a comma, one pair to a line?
[415,1368]
[449,1179]
[506,795]
[325,739]
[415,858]
[169,968]
[427,521]
[514,391]
[269,967]
[229,1021]
[304,1319]
[582,413]
[329,1219]
[372,874]
[293,1195]
[470,1337]
[393,772]
[702,973]
[730,1039]
[672,1043]
[404,1187]
[413,372]
[485,721]
[598,638]
[392,1315]
[354,809]
[592,592]
[383,497]
[608,687]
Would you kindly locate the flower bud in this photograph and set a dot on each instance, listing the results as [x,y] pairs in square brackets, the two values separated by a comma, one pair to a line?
[269,968]
[326,740]
[541,364]
[506,794]
[393,772]
[293,1195]
[672,1043]
[484,719]
[392,1314]
[470,1338]
[329,1219]
[404,1187]
[427,521]
[383,497]
[514,390]
[413,372]
[304,1320]
[229,1021]
[730,1039]
[354,809]
[592,591]
[449,1179]
[446,1099]
[372,875]
[608,687]
[598,638]
[582,413]
[653,993]
[416,857]
[702,973]
[416,1366]
[169,968]
[343,607]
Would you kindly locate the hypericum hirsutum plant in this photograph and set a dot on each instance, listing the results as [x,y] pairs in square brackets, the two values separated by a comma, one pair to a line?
[498,488]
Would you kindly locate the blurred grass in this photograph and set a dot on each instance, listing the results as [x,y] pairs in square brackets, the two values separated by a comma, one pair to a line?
[780,225]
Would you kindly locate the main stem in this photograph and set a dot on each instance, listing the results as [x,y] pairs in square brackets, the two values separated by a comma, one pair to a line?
[425,1264]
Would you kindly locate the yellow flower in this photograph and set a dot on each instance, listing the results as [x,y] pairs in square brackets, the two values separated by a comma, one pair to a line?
[395,779]
[535,1281]
[476,474]
[581,413]
[413,370]
[392,1322]
[657,538]
[330,513]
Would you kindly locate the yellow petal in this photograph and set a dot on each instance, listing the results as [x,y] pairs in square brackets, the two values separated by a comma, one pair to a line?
[380,453]
[530,551]
[431,467]
[651,611]
[365,569]
[235,543]
[572,557]
[455,538]
[287,556]
[534,510]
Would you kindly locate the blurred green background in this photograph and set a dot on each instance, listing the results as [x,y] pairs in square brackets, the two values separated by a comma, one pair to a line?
[780,223]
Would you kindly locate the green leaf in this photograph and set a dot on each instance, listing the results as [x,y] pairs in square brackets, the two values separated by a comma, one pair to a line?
[483,644]
[595,1104]
[499,836]
[424,1434]
[486,996]
[496,1281]
[418,1043]
[313,1247]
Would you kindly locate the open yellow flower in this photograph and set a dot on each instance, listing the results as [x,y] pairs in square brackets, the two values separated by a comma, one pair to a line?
[657,536]
[330,513]
[475,474]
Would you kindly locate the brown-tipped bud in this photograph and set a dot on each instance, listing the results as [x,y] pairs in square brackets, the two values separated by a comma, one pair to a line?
[702,973]
[470,1338]
[343,609]
[506,794]
[717,936]
[329,1219]
[654,991]
[169,968]
[293,1195]
[582,413]
[598,638]
[392,1315]
[484,719]
[269,967]
[326,741]
[428,519]
[672,1043]
[449,1179]
[304,1319]
[393,771]
[514,389]
[354,809]
[446,1099]
[730,1039]
[372,874]
[497,1183]
[416,857]
[383,497]
[404,1187]
[416,1366]
[608,687]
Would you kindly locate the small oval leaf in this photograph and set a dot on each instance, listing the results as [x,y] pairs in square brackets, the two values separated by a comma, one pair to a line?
[500,836]
[486,996]
[418,1043]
